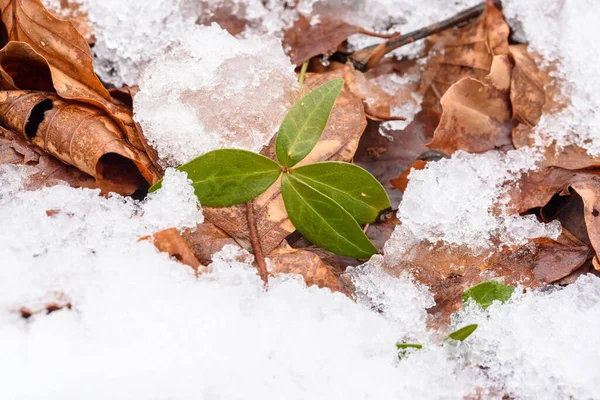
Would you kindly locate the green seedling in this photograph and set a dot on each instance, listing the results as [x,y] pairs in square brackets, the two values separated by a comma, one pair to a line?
[326,201]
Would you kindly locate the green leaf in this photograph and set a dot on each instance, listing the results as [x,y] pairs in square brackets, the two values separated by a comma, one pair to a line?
[485,293]
[302,126]
[403,348]
[226,177]
[353,188]
[462,333]
[323,221]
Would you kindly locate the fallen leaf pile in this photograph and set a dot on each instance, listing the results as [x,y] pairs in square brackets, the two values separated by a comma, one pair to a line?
[477,92]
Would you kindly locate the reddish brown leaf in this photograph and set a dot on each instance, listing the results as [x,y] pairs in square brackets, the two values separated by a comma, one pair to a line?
[401,182]
[171,242]
[306,264]
[556,259]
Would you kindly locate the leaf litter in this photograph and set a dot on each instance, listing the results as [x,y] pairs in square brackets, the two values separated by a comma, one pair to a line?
[95,292]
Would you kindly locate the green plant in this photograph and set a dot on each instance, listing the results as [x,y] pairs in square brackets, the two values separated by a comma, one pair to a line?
[485,293]
[326,201]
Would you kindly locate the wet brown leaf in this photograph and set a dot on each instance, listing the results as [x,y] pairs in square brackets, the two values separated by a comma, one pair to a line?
[338,143]
[476,114]
[171,242]
[77,134]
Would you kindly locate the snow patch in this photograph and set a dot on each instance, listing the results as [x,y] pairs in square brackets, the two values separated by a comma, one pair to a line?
[214,91]
[459,201]
[564,33]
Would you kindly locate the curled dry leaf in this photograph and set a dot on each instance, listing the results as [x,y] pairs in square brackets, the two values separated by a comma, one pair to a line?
[49,171]
[37,38]
[401,182]
[304,263]
[338,143]
[79,135]
[171,242]
[477,116]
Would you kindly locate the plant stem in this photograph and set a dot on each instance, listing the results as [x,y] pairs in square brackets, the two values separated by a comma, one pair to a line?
[255,240]
[302,73]
[369,56]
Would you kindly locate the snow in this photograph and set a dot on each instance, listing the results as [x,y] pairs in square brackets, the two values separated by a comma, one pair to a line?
[214,91]
[540,345]
[564,34]
[459,201]
[142,326]
[137,317]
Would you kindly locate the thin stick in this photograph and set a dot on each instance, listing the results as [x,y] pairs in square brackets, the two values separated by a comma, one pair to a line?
[369,56]
[254,239]
[303,73]
[379,35]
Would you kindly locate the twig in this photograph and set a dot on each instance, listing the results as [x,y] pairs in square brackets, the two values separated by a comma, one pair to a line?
[379,35]
[254,239]
[369,56]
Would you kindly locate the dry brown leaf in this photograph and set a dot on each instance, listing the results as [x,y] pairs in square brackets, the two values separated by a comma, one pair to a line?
[533,91]
[48,170]
[589,191]
[338,143]
[37,36]
[305,40]
[57,301]
[171,242]
[304,263]
[77,134]
[448,270]
[477,116]
[556,259]
[205,240]
[464,53]
[71,10]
